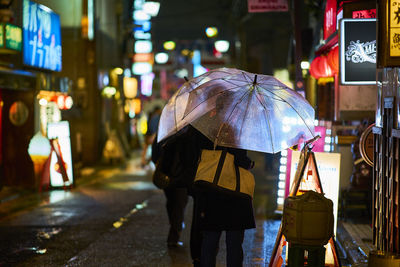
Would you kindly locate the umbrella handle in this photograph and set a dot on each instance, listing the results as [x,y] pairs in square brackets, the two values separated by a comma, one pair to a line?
[311,141]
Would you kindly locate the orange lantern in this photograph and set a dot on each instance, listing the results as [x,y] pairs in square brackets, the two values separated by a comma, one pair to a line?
[314,68]
[324,67]
[333,59]
[320,68]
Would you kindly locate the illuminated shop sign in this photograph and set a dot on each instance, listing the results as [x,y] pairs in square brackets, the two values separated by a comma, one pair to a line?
[330,18]
[10,37]
[13,36]
[358,51]
[364,14]
[41,37]
[146,84]
[60,131]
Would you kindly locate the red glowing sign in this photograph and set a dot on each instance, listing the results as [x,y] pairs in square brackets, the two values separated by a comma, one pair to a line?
[364,14]
[330,18]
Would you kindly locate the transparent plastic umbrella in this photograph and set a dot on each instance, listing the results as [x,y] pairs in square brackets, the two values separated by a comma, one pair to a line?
[173,117]
[249,111]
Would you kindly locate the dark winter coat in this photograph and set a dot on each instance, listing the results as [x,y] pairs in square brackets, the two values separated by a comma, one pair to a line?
[217,211]
[214,210]
[181,153]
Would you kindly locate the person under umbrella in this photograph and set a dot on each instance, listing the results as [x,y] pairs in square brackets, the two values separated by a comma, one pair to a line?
[216,212]
[239,111]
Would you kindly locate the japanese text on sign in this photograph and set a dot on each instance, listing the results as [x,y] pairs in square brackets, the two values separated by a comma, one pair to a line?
[42,37]
[394,39]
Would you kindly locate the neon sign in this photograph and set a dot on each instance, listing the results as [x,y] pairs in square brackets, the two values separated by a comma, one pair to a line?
[41,37]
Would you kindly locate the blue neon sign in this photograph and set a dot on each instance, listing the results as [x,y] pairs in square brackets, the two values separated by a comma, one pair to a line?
[41,37]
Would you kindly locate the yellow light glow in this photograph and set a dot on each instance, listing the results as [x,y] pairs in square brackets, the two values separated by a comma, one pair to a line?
[118,71]
[137,105]
[117,224]
[169,45]
[130,87]
[185,52]
[109,91]
[142,125]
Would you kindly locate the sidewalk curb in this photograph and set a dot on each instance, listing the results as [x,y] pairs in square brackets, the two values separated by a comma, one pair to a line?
[349,248]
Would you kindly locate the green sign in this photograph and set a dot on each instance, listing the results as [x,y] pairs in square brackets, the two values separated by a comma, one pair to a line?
[1,36]
[13,37]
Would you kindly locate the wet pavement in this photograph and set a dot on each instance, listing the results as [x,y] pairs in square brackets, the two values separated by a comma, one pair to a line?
[116,217]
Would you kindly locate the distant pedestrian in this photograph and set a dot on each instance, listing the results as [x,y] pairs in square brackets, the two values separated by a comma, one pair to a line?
[176,192]
[152,126]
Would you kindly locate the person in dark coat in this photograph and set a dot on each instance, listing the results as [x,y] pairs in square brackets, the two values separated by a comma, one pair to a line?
[187,144]
[175,194]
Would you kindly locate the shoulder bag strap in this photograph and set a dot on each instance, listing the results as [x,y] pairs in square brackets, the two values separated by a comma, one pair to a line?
[219,167]
[237,178]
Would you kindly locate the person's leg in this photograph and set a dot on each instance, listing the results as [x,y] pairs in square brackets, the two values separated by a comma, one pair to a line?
[234,250]
[209,248]
[178,212]
[195,235]
[176,203]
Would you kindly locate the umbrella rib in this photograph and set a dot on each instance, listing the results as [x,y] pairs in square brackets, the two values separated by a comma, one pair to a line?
[301,118]
[294,110]
[267,119]
[205,84]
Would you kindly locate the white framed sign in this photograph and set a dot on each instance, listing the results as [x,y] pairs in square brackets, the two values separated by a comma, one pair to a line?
[357,51]
[328,165]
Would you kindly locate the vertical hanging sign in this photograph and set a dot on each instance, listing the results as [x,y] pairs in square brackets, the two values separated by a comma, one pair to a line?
[394,32]
[388,33]
[330,18]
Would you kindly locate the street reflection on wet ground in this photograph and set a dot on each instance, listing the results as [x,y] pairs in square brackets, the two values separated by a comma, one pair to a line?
[119,219]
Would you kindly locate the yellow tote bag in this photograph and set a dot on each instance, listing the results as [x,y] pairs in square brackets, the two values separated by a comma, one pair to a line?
[217,169]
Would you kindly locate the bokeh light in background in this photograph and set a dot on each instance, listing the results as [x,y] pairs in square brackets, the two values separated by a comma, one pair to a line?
[130,87]
[127,72]
[151,8]
[140,68]
[185,52]
[169,45]
[118,71]
[161,58]
[305,65]
[221,46]
[140,15]
[211,32]
[143,46]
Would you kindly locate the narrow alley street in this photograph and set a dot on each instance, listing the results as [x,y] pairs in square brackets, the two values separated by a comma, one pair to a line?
[116,217]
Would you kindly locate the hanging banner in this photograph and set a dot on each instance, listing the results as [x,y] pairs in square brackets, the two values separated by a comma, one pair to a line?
[394,24]
[267,6]
[330,18]
[388,33]
[358,51]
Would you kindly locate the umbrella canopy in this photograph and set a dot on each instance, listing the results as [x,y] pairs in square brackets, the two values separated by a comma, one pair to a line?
[172,116]
[249,111]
